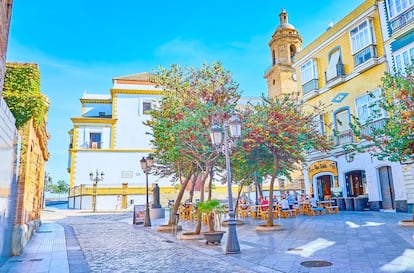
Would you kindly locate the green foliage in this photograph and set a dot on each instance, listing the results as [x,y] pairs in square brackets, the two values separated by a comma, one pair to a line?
[60,187]
[22,93]
[193,98]
[209,206]
[282,131]
[393,138]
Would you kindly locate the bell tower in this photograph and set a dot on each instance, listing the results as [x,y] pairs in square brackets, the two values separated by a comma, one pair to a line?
[284,45]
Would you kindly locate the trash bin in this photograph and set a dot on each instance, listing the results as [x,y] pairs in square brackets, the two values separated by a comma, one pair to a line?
[349,203]
[340,202]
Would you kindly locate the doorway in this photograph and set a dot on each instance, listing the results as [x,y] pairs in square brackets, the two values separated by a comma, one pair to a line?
[387,187]
[324,183]
[355,183]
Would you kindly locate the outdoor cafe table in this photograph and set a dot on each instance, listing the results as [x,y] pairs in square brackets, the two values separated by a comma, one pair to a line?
[325,203]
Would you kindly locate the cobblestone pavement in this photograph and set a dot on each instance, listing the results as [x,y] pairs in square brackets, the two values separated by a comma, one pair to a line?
[351,241]
[360,242]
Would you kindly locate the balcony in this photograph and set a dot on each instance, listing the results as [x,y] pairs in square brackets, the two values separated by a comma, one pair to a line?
[94,145]
[335,78]
[364,55]
[369,128]
[402,20]
[345,137]
[277,61]
[310,86]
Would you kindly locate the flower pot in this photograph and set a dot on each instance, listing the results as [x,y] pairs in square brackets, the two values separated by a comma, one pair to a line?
[213,237]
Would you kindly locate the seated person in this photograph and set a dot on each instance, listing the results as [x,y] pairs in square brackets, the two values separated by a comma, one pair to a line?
[284,203]
[265,203]
[243,204]
[301,199]
[314,204]
[313,201]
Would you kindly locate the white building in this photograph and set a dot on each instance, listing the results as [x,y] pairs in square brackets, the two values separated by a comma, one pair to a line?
[110,137]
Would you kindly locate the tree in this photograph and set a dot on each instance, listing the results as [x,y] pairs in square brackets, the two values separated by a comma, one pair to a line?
[61,187]
[394,139]
[282,128]
[193,98]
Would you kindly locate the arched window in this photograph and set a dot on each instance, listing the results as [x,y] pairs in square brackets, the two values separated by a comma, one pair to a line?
[292,50]
[273,57]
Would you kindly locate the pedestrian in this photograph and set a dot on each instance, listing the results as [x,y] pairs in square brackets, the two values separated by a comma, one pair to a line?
[118,202]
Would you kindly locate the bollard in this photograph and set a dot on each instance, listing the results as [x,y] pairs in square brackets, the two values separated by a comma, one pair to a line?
[175,220]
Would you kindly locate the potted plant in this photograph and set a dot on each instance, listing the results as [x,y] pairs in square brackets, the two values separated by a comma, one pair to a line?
[211,208]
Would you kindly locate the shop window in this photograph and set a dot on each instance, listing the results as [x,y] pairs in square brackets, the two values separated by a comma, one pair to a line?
[356,183]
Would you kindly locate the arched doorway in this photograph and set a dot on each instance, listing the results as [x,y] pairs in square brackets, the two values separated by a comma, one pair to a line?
[325,183]
[387,187]
[355,183]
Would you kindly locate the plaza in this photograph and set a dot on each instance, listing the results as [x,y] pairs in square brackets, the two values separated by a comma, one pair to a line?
[74,241]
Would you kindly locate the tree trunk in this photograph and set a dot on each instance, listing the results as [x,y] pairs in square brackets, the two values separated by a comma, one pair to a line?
[198,226]
[236,207]
[180,196]
[272,182]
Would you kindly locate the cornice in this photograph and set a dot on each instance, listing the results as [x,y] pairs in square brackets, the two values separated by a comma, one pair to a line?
[102,101]
[94,120]
[136,92]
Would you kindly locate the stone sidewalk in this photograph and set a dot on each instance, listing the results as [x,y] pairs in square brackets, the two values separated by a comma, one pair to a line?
[351,241]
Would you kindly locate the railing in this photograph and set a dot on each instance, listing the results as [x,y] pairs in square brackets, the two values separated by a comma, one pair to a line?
[310,86]
[339,73]
[344,137]
[365,54]
[402,20]
[372,126]
[278,61]
[94,145]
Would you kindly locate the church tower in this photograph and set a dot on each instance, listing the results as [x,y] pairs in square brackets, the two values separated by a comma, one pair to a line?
[284,45]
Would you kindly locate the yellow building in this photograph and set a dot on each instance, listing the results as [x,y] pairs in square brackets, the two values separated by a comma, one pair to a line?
[343,69]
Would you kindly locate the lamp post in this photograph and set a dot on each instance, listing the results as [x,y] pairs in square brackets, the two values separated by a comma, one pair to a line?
[95,179]
[224,146]
[146,165]
[46,182]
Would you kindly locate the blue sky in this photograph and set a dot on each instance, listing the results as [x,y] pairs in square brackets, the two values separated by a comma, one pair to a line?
[81,45]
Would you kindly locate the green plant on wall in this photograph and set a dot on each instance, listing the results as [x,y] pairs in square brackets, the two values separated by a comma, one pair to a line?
[22,93]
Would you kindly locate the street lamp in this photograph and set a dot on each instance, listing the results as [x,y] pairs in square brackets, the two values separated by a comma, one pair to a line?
[46,182]
[146,165]
[95,179]
[224,146]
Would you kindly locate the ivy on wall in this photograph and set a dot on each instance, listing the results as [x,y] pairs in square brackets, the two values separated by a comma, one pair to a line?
[22,93]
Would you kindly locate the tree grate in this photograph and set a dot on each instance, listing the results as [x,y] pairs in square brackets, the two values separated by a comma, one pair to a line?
[315,263]
[295,249]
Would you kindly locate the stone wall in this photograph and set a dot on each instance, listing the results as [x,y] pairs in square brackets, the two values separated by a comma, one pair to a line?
[29,201]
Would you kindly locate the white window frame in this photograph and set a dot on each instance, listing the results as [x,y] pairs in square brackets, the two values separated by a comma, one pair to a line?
[142,110]
[363,105]
[309,71]
[404,57]
[361,36]
[319,124]
[396,7]
[334,59]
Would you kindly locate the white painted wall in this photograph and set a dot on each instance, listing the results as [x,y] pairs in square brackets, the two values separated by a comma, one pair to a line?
[370,165]
[130,130]
[119,167]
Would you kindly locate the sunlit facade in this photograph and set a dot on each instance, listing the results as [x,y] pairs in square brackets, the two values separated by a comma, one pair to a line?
[343,68]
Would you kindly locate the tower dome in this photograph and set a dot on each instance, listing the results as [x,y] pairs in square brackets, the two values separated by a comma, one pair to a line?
[284,24]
